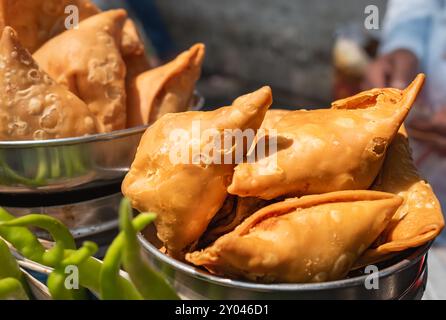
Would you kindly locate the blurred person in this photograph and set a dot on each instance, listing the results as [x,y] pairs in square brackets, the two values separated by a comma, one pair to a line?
[414,40]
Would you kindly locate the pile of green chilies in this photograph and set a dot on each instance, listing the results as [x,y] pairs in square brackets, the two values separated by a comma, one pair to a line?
[103,279]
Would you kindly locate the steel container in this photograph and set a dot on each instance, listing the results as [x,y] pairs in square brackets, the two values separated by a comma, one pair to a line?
[403,277]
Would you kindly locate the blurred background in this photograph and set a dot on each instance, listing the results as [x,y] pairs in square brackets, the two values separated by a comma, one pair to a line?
[286,44]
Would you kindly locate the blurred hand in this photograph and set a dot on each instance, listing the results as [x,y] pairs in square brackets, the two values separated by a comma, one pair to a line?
[395,69]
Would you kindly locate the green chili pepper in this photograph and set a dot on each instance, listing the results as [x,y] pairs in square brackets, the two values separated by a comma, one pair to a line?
[111,286]
[60,234]
[9,267]
[55,163]
[57,280]
[76,159]
[149,283]
[58,231]
[21,238]
[89,277]
[42,168]
[12,289]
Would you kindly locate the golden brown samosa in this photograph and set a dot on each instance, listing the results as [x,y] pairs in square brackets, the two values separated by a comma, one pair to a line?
[37,21]
[420,218]
[309,239]
[32,105]
[133,51]
[187,193]
[168,88]
[88,61]
[328,150]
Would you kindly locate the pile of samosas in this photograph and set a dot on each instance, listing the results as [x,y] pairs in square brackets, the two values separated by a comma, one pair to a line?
[338,191]
[93,78]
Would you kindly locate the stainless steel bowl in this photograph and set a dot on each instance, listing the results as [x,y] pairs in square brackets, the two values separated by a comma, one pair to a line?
[400,278]
[62,164]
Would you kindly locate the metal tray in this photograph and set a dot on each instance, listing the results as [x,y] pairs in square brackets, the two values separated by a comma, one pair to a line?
[402,277]
[61,164]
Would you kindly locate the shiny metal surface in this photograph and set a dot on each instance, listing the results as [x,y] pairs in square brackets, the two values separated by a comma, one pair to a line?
[84,219]
[60,164]
[396,280]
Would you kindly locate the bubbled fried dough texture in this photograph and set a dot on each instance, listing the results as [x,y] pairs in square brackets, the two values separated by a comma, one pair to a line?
[166,89]
[328,150]
[419,219]
[88,61]
[314,238]
[186,196]
[32,105]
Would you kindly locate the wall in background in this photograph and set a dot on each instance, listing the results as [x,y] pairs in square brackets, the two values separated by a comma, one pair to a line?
[284,43]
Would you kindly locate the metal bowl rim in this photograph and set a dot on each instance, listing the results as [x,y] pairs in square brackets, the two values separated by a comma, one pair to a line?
[73,140]
[22,144]
[239,284]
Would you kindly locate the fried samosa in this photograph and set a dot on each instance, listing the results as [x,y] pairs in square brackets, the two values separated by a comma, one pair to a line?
[32,105]
[420,218]
[168,88]
[133,51]
[187,193]
[314,238]
[37,21]
[88,61]
[328,150]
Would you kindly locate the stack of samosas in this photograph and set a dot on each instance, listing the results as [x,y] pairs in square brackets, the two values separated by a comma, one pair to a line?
[338,191]
[93,78]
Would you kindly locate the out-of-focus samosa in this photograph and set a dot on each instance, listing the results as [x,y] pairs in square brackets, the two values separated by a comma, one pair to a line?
[314,238]
[168,88]
[32,105]
[184,189]
[88,61]
[419,219]
[37,21]
[327,150]
[133,51]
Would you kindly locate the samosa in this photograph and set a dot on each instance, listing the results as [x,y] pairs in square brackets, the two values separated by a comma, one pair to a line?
[419,219]
[181,186]
[37,21]
[328,150]
[168,88]
[32,105]
[314,238]
[88,61]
